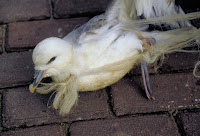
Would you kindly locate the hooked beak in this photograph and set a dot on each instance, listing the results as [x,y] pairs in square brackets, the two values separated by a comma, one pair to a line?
[38,76]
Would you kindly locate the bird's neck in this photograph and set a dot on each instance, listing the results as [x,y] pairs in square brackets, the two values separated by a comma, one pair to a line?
[68,71]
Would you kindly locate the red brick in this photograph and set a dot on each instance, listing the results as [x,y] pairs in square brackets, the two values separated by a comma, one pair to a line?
[25,35]
[15,69]
[12,10]
[20,107]
[171,91]
[0,111]
[63,8]
[191,123]
[52,130]
[135,126]
[1,38]
[172,62]
[180,61]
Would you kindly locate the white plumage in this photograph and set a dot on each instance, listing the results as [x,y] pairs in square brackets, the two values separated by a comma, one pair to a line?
[102,51]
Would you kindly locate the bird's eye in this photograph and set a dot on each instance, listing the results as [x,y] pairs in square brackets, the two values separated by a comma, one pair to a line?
[51,60]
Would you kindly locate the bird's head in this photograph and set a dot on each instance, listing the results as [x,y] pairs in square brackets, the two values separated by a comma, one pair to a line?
[52,57]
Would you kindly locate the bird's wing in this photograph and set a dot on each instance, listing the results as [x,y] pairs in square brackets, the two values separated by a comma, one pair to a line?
[89,31]
[126,10]
[123,11]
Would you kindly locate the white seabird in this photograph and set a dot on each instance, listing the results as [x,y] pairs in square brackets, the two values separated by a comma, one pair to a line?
[103,50]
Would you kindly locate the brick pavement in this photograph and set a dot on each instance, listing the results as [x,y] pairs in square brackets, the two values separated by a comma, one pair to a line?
[1,38]
[50,130]
[119,110]
[161,125]
[190,123]
[63,8]
[12,10]
[23,108]
[25,35]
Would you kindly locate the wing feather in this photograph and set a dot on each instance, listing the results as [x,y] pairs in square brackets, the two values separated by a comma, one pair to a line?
[126,10]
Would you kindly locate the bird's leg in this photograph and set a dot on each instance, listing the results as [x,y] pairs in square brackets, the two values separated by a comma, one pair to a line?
[145,74]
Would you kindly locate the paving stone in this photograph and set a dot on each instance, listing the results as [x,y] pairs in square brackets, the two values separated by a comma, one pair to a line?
[51,130]
[25,35]
[12,10]
[16,69]
[63,8]
[1,39]
[171,91]
[191,123]
[173,62]
[180,61]
[20,107]
[134,126]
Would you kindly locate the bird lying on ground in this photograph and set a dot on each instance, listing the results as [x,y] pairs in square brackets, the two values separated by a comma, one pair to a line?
[103,50]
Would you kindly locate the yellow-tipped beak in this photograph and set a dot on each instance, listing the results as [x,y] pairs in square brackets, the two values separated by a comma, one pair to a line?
[38,76]
[32,88]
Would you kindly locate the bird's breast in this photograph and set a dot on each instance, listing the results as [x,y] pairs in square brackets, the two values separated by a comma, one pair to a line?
[111,51]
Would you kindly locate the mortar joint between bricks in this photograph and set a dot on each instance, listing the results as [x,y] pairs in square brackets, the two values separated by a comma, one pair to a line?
[51,8]
[179,125]
[1,123]
[66,127]
[4,31]
[109,102]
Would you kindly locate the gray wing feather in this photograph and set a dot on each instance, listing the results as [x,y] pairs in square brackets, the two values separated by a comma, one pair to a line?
[90,30]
